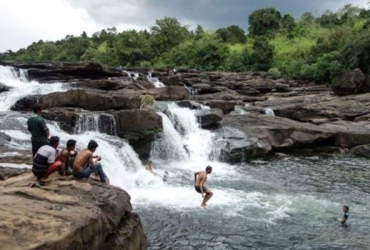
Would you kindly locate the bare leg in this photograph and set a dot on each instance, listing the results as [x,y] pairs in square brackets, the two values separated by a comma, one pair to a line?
[209,195]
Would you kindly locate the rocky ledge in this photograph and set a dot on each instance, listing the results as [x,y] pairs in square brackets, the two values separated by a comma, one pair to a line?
[65,215]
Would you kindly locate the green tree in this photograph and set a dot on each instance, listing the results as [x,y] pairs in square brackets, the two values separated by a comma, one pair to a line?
[263,54]
[264,22]
[166,34]
[307,19]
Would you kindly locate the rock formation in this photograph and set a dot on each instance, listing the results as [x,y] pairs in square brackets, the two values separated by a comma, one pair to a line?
[71,214]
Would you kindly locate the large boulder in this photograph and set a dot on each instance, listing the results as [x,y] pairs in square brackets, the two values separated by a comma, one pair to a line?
[249,136]
[209,118]
[66,215]
[350,83]
[86,99]
[172,80]
[140,128]
[363,150]
[189,104]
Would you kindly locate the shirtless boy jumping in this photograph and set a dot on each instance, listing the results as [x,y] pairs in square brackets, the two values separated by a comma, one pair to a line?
[199,180]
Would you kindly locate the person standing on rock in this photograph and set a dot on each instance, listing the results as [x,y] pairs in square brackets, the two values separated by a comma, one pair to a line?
[46,161]
[37,127]
[199,180]
[86,163]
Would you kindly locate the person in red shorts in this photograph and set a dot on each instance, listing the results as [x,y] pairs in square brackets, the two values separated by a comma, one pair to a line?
[46,161]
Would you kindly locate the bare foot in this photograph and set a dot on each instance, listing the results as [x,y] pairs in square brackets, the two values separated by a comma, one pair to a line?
[203,206]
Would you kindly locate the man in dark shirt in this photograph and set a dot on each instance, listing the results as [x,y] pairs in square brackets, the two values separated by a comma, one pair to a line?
[345,216]
[37,127]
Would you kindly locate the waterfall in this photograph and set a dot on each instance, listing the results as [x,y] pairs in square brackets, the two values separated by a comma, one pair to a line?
[87,122]
[182,129]
[103,123]
[269,112]
[21,87]
[155,81]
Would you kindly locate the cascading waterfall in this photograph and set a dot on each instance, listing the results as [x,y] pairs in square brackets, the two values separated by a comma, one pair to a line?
[155,81]
[269,112]
[103,123]
[21,87]
[273,202]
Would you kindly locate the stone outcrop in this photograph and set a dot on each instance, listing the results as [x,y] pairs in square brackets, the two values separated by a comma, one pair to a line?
[140,128]
[86,99]
[209,118]
[248,136]
[363,150]
[351,83]
[66,215]
[66,72]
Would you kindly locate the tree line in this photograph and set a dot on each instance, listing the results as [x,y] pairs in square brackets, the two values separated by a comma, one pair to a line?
[315,48]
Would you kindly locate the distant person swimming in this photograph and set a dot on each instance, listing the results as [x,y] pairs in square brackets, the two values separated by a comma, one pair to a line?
[344,220]
[149,168]
[199,180]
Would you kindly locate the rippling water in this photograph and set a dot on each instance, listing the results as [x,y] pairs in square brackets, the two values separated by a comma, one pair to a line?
[280,204]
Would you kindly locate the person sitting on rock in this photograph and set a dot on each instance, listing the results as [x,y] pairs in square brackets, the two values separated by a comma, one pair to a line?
[46,161]
[67,156]
[86,163]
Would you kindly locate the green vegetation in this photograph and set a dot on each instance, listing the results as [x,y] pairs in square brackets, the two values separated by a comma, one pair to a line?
[313,48]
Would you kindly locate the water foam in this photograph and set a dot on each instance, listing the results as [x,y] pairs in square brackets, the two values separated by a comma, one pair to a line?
[21,87]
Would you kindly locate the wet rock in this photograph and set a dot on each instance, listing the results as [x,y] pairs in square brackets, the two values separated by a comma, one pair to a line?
[169,93]
[225,106]
[139,127]
[350,83]
[189,104]
[209,118]
[26,103]
[4,138]
[105,84]
[86,99]
[67,72]
[363,150]
[4,88]
[66,215]
[172,80]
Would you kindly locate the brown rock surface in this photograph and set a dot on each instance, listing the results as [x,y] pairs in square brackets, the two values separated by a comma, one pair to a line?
[66,215]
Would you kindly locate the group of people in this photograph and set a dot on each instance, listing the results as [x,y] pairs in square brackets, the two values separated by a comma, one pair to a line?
[47,159]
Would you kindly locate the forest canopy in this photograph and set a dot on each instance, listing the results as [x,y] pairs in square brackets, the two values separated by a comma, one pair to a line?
[312,47]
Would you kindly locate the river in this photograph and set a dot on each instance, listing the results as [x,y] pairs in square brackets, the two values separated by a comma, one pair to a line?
[288,203]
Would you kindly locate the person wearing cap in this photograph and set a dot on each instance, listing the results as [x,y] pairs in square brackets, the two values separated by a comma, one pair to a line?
[46,162]
[37,127]
[86,163]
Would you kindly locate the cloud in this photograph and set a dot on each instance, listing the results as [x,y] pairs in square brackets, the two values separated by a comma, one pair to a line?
[24,21]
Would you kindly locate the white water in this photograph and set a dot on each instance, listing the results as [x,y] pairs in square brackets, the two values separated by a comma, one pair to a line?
[155,81]
[269,112]
[21,87]
[125,169]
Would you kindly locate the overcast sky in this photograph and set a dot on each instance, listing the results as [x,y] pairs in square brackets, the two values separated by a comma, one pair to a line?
[25,21]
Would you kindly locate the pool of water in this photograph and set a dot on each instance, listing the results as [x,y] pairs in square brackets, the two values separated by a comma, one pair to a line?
[279,204]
